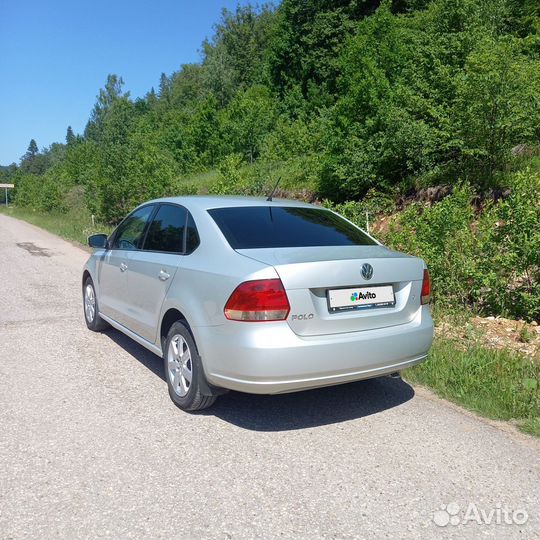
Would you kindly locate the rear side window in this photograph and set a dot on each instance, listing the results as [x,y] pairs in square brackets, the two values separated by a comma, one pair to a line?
[251,227]
[192,236]
[166,232]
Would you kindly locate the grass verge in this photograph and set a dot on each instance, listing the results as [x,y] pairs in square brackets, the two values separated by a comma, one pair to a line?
[75,226]
[494,383]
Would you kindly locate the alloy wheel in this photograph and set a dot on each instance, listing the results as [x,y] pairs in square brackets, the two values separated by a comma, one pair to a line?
[89,303]
[179,365]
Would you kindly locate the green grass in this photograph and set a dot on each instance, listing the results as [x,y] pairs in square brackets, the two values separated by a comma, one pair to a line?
[497,384]
[199,182]
[75,226]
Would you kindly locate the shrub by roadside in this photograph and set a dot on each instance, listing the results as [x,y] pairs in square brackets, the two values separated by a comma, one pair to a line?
[481,259]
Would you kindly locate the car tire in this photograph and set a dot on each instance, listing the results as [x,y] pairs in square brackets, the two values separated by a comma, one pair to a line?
[184,371]
[91,308]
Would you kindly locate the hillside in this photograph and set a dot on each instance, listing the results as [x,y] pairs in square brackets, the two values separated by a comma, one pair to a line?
[429,108]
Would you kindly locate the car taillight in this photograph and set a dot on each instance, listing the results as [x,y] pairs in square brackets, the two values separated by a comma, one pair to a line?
[426,288]
[258,300]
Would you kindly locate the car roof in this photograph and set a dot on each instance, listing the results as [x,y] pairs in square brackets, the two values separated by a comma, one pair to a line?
[206,202]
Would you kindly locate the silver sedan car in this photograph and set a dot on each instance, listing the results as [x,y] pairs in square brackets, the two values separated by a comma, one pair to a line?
[254,295]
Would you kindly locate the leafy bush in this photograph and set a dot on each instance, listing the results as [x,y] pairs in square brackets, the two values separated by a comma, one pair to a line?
[441,235]
[510,250]
[231,179]
[488,261]
[249,118]
[366,210]
[46,192]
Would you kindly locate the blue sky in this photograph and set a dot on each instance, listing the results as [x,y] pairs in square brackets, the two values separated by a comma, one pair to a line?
[56,54]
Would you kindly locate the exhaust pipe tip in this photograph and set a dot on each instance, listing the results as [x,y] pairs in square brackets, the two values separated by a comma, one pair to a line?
[395,375]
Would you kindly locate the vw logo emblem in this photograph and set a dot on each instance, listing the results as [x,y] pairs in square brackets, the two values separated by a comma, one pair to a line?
[367,271]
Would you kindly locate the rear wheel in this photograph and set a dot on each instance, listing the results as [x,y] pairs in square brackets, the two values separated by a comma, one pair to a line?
[91,312]
[183,370]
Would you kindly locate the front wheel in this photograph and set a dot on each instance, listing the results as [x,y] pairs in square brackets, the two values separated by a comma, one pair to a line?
[90,303]
[183,370]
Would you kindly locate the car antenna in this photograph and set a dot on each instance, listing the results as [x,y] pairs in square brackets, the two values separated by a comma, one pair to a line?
[269,198]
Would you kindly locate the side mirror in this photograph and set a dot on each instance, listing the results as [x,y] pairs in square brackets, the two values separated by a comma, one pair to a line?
[97,241]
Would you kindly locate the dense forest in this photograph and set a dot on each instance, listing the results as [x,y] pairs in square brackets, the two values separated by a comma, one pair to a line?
[359,104]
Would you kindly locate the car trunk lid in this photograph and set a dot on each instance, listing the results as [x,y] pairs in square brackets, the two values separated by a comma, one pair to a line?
[308,273]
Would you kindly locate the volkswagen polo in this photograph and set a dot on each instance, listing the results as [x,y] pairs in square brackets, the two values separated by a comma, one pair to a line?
[259,296]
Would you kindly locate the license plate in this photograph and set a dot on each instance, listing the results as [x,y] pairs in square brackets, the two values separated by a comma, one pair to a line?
[361,298]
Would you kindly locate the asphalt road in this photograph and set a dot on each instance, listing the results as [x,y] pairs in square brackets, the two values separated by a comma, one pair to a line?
[91,446]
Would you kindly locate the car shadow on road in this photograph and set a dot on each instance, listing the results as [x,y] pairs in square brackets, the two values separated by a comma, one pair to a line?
[311,408]
[299,410]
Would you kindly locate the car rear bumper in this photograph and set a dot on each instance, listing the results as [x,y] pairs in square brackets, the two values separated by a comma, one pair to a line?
[269,358]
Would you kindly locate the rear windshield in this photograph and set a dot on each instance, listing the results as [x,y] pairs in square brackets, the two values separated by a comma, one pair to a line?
[252,227]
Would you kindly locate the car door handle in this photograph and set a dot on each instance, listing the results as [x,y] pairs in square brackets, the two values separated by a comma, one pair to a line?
[164,276]
[123,267]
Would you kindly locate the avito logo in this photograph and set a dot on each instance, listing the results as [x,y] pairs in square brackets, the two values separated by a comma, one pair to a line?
[363,296]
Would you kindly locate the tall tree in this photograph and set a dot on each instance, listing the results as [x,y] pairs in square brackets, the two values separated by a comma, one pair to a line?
[187,86]
[32,149]
[33,161]
[233,58]
[497,105]
[303,58]
[165,88]
[70,136]
[111,93]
